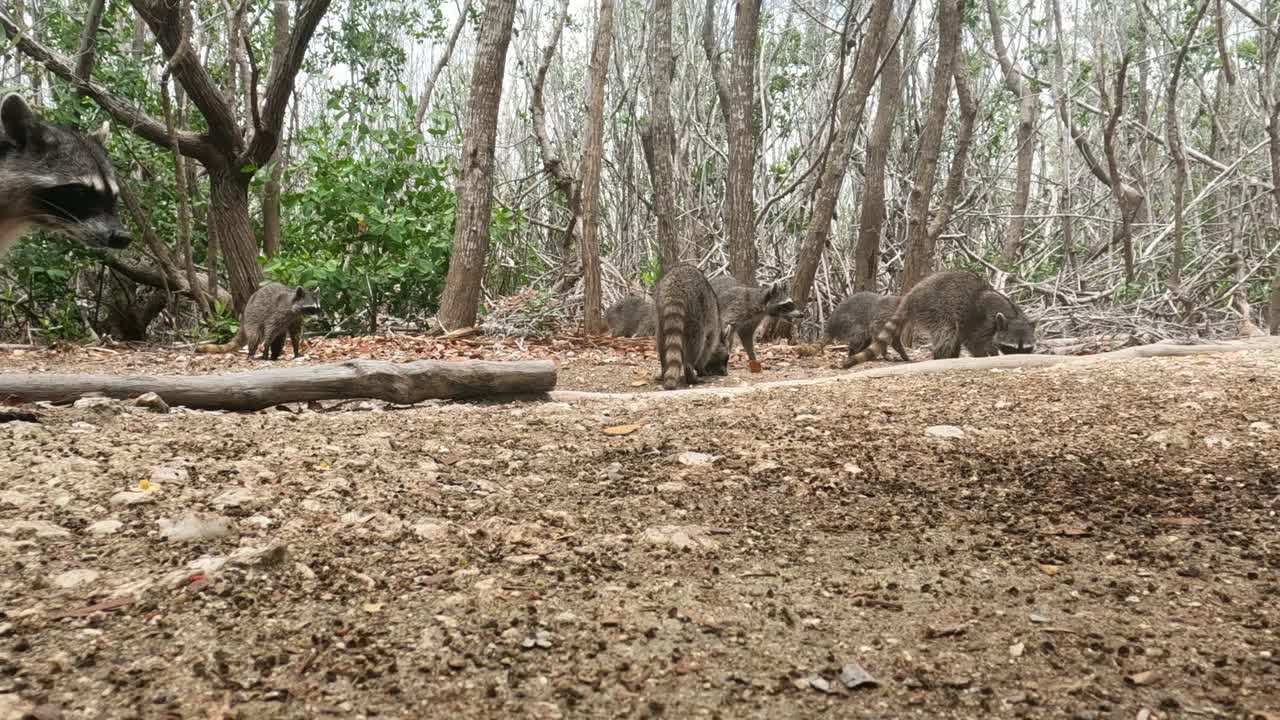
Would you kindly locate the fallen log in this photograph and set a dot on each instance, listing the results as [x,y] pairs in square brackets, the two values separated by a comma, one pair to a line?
[929,367]
[401,383]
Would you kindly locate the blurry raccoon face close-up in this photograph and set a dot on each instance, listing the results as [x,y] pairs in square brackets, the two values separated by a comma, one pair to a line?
[60,177]
[1015,336]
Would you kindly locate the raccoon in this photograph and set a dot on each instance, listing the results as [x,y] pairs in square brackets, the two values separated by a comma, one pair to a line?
[632,316]
[743,308]
[957,309]
[858,320]
[690,340]
[56,178]
[274,311]
[720,283]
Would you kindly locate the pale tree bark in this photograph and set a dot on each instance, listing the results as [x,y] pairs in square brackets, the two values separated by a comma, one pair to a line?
[852,106]
[271,189]
[920,251]
[1064,142]
[1128,198]
[593,315]
[402,383]
[1271,106]
[739,193]
[1174,136]
[1028,114]
[172,120]
[871,221]
[87,52]
[475,188]
[661,137]
[955,176]
[225,148]
[565,182]
[424,100]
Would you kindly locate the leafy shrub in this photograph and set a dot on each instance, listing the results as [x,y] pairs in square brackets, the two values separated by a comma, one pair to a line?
[371,226]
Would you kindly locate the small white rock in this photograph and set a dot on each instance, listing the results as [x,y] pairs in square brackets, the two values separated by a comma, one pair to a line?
[105,527]
[132,497]
[946,432]
[75,578]
[694,459]
[194,528]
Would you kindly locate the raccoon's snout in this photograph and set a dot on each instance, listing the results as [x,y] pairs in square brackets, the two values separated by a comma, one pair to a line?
[119,239]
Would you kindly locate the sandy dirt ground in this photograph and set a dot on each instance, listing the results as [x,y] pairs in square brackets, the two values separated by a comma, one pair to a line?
[1081,541]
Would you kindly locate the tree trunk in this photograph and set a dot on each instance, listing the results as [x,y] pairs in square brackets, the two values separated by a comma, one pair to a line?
[919,261]
[852,107]
[402,383]
[662,143]
[1028,110]
[955,176]
[739,199]
[871,222]
[475,188]
[85,55]
[1174,139]
[271,190]
[593,315]
[229,221]
[1064,142]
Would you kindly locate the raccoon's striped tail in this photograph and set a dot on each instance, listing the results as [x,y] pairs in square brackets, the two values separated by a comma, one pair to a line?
[673,320]
[887,334]
[812,349]
[235,344]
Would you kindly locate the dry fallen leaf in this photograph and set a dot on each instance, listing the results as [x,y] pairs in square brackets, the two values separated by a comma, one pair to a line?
[639,383]
[1049,570]
[621,429]
[754,366]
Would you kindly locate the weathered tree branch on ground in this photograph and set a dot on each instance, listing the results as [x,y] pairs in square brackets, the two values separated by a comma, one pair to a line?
[931,367]
[403,383]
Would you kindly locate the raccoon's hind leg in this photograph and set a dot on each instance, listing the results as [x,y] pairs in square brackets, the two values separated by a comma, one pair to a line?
[897,345]
[946,344]
[295,337]
[277,347]
[252,340]
[748,337]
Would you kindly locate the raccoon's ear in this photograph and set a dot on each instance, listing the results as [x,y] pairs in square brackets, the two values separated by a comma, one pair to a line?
[300,294]
[100,135]
[18,121]
[1001,322]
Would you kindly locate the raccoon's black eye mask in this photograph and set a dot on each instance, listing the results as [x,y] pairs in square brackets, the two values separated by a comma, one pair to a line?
[75,202]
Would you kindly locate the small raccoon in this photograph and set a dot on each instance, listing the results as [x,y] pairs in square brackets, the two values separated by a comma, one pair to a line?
[743,308]
[632,316]
[858,320]
[690,341]
[957,309]
[56,178]
[274,311]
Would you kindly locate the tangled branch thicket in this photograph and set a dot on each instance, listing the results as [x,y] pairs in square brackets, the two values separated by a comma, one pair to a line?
[1092,125]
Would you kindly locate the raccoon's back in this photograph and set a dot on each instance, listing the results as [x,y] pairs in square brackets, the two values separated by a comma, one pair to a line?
[271,302]
[627,316]
[857,315]
[945,299]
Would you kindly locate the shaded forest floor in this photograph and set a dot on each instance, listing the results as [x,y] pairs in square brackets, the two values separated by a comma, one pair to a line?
[1090,541]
